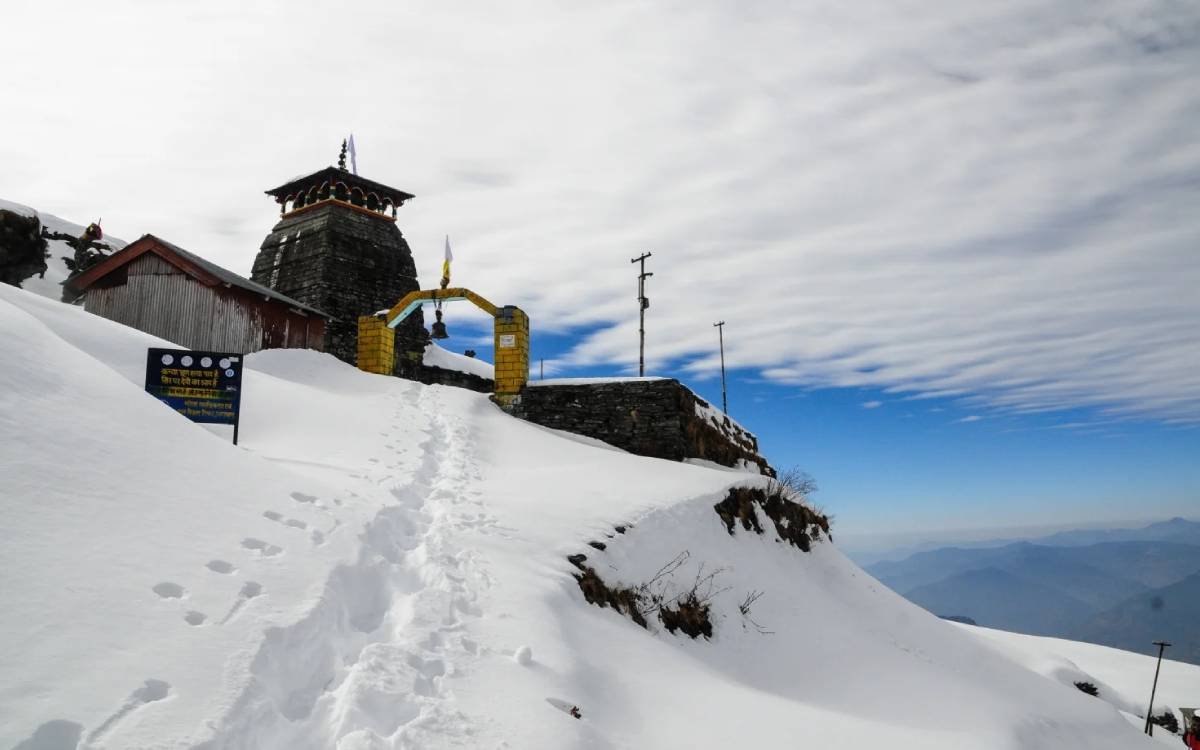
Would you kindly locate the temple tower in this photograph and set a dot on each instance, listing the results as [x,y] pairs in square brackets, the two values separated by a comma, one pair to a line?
[337,248]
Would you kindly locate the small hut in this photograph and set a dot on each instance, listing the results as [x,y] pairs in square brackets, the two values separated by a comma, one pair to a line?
[166,291]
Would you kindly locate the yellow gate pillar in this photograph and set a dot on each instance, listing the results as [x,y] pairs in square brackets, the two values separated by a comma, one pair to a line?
[512,353]
[376,345]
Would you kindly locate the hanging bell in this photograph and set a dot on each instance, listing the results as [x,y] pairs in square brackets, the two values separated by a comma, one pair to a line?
[439,328]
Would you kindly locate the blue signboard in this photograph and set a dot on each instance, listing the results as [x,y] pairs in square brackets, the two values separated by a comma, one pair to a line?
[202,386]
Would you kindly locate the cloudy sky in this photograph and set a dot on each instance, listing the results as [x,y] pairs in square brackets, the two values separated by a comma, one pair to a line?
[971,225]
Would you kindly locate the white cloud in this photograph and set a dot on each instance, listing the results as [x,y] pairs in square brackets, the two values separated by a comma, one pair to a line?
[989,201]
[970,418]
[872,404]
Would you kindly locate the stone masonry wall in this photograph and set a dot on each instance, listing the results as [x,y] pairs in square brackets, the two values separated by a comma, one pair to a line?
[440,376]
[343,262]
[656,418]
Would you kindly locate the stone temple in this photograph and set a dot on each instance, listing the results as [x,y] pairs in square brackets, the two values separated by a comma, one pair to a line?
[337,248]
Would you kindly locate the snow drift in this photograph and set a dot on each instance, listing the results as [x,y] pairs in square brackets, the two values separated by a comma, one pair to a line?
[382,564]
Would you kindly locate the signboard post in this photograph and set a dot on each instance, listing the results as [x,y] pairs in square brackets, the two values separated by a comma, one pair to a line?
[202,386]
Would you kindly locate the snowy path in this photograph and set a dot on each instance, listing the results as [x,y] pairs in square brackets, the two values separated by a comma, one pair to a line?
[373,662]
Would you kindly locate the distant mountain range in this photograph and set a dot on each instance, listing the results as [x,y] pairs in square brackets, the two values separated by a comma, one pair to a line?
[1175,530]
[1124,588]
[1170,613]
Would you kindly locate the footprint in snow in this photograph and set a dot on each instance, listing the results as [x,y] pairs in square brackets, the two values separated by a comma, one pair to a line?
[278,518]
[57,733]
[264,548]
[250,590]
[168,590]
[300,497]
[195,618]
[150,692]
[220,566]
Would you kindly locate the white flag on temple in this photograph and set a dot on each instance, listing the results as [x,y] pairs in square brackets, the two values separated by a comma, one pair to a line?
[353,155]
[446,263]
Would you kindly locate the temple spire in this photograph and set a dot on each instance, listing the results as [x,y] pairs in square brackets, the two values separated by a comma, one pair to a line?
[342,157]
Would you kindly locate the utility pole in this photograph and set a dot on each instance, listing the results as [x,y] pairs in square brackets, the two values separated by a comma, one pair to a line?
[1150,710]
[721,336]
[643,303]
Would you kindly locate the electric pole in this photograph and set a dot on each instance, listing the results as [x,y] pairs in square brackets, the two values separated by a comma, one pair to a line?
[643,303]
[1150,710]
[721,337]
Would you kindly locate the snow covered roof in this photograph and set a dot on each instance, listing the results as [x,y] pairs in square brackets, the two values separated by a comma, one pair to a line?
[436,356]
[205,271]
[593,381]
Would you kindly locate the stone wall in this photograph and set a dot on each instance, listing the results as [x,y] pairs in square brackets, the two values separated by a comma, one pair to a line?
[428,375]
[345,262]
[659,418]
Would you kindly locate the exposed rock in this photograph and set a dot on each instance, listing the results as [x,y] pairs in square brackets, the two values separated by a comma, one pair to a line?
[794,522]
[22,247]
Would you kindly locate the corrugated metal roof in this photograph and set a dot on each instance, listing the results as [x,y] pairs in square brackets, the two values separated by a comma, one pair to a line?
[231,278]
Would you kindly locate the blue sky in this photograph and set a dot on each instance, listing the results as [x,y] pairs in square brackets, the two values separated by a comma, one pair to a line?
[992,206]
[891,465]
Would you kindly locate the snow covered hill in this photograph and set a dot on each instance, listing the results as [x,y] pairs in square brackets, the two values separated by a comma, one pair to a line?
[383,564]
[50,283]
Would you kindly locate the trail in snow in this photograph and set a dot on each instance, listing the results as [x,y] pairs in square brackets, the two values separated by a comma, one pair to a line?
[371,663]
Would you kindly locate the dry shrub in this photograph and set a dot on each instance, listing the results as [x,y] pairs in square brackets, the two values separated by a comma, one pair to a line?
[688,611]
[795,522]
[627,601]
[690,614]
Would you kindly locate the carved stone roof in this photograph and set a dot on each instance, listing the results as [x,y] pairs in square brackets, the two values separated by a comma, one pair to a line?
[333,175]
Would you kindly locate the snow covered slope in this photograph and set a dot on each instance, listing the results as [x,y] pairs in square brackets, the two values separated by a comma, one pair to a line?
[1121,678]
[382,564]
[50,285]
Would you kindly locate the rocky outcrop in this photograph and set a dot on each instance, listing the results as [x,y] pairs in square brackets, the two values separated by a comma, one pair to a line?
[22,247]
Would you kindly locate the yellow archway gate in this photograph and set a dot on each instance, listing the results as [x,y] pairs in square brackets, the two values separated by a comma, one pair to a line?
[376,337]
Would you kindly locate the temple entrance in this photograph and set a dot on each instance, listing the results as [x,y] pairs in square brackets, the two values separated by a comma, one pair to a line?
[376,339]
